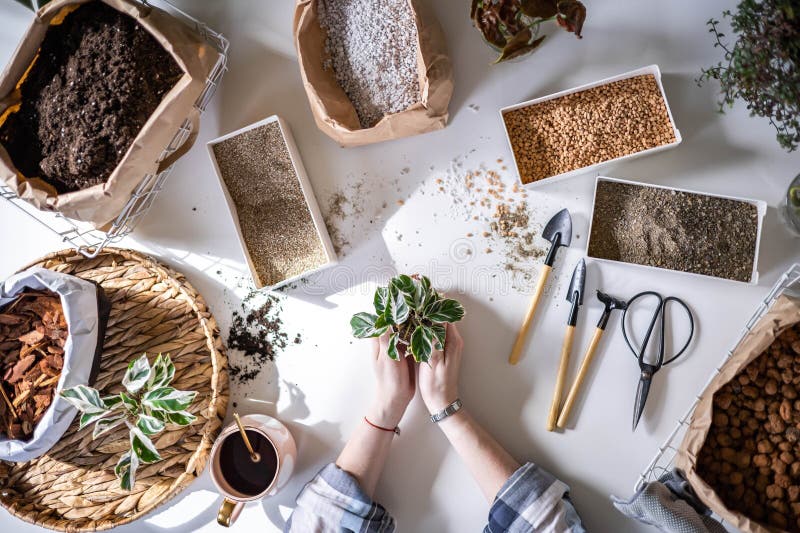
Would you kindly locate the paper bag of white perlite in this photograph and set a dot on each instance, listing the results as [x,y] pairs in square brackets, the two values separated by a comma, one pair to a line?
[332,109]
[101,204]
[783,314]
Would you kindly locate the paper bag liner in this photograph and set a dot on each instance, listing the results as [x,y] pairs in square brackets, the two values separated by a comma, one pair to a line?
[102,203]
[332,109]
[784,313]
[86,310]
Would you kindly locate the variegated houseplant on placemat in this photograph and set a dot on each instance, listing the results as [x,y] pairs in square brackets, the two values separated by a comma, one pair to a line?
[413,312]
[146,406]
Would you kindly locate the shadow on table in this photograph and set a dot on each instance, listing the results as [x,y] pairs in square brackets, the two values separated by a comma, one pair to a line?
[595,508]
[312,454]
[198,505]
[480,382]
[704,146]
[778,247]
[216,278]
[262,81]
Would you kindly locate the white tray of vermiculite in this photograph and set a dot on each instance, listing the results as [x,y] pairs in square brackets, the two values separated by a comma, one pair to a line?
[653,226]
[582,129]
[277,218]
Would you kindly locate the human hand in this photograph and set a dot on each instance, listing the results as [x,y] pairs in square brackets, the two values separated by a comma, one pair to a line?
[395,383]
[438,380]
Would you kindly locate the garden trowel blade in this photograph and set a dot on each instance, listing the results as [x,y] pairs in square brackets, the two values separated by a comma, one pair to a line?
[559,227]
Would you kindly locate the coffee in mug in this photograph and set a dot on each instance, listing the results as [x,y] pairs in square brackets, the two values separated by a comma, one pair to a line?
[241,477]
[245,474]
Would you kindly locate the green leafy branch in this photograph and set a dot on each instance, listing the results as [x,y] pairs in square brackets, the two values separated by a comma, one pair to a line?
[146,406]
[413,312]
[761,65]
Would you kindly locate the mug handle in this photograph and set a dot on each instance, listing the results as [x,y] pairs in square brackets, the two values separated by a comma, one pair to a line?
[229,511]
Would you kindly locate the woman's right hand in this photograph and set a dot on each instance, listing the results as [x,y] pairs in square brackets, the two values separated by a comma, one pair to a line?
[438,380]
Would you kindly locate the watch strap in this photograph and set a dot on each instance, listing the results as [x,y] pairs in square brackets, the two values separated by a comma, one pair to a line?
[450,410]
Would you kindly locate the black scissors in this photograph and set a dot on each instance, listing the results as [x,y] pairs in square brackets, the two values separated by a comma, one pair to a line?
[649,369]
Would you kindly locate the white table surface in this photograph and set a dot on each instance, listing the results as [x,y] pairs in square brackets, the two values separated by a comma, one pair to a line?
[320,387]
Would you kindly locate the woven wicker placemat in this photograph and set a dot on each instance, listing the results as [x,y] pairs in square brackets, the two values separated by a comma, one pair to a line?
[153,309]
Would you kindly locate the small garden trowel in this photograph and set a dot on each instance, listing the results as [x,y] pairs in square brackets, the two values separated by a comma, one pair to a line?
[559,232]
[575,297]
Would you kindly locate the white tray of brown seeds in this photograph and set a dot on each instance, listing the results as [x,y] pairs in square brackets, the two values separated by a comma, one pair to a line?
[675,229]
[581,129]
[277,218]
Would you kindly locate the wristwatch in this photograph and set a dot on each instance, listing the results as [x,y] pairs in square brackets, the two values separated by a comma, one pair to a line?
[451,409]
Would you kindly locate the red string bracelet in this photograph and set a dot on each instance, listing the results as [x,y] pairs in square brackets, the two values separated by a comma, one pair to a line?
[395,430]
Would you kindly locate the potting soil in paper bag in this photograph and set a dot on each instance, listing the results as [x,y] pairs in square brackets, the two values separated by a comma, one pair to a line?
[86,311]
[101,204]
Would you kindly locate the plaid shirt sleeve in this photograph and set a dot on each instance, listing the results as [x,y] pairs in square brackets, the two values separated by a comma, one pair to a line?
[533,500]
[334,502]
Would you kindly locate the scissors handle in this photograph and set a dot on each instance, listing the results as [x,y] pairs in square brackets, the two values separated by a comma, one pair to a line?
[659,317]
[663,320]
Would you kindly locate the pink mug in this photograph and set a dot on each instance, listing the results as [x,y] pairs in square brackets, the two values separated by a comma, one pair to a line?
[277,438]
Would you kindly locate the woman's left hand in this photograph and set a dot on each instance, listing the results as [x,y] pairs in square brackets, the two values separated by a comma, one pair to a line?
[395,384]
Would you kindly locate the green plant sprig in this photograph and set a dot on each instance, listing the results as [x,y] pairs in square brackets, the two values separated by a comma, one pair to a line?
[762,67]
[413,312]
[146,406]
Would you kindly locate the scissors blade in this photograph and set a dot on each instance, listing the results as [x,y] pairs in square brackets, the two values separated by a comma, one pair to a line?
[642,391]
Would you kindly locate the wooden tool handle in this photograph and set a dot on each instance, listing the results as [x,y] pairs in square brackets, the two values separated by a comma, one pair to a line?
[576,385]
[563,365]
[519,344]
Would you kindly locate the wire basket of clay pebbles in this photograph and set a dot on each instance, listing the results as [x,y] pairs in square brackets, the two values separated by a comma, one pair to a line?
[97,103]
[373,70]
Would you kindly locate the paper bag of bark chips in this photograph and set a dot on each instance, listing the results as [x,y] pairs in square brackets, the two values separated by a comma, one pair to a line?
[741,452]
[373,70]
[92,96]
[52,327]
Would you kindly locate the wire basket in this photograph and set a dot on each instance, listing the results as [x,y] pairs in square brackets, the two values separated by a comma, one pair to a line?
[664,460]
[90,241]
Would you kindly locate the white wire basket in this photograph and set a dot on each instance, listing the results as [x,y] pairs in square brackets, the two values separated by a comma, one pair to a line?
[664,460]
[82,236]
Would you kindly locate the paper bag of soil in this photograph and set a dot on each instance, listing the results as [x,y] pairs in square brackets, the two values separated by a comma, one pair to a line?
[100,204]
[332,109]
[783,314]
[86,311]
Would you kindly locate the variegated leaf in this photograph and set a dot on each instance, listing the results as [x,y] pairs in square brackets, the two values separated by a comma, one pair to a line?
[149,425]
[137,374]
[142,446]
[168,399]
[104,425]
[86,399]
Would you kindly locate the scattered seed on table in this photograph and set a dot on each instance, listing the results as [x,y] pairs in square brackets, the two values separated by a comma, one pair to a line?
[372,49]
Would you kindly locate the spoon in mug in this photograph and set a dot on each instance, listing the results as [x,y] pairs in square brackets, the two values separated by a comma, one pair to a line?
[253,455]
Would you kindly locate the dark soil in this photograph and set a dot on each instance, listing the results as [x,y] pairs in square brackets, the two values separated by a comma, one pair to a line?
[98,78]
[258,332]
[675,230]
